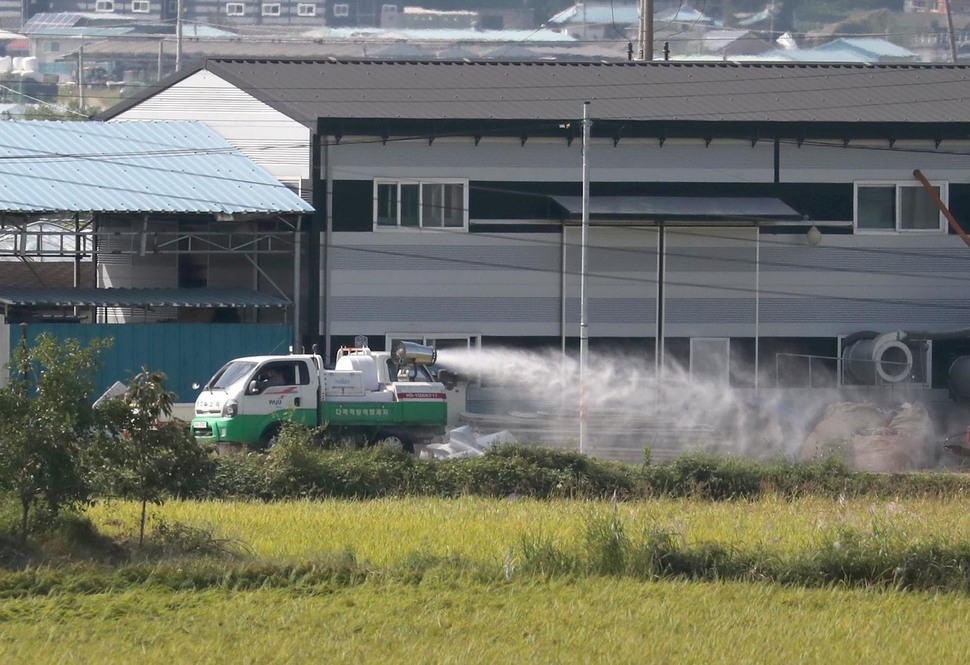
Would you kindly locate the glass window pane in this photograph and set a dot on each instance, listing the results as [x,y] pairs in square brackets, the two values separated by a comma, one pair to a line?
[917,209]
[432,205]
[877,207]
[453,210]
[387,204]
[409,205]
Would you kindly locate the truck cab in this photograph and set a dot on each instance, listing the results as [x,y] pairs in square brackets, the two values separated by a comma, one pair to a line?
[247,398]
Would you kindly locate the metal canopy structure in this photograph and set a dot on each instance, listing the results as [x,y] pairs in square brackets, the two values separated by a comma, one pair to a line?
[109,193]
[680,208]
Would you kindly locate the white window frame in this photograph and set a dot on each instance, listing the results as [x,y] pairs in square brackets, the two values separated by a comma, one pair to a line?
[422,186]
[140,6]
[944,191]
[271,9]
[235,9]
[306,9]
[341,9]
[104,6]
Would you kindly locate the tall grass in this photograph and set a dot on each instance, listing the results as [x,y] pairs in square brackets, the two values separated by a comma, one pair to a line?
[912,544]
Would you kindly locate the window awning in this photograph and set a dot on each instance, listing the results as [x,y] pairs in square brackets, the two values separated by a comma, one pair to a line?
[679,208]
[123,297]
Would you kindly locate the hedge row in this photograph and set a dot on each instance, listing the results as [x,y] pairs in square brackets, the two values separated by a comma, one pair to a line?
[297,468]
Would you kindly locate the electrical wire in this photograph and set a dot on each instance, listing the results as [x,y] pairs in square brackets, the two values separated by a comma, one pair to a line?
[957,304]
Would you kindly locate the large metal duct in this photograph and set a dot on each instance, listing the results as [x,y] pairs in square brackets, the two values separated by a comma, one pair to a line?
[958,379]
[883,357]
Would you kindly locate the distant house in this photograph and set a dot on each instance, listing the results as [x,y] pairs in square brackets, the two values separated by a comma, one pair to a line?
[378,13]
[867,49]
[418,17]
[597,20]
[729,43]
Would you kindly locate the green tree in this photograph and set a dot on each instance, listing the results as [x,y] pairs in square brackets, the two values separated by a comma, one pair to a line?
[141,453]
[45,420]
[70,111]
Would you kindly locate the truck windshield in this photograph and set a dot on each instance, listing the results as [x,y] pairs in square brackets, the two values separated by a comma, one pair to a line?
[230,374]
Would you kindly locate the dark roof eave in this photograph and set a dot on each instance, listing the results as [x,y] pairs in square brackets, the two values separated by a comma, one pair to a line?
[570,129]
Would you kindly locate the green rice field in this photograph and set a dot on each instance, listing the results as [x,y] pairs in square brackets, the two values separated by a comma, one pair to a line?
[476,614]
[384,531]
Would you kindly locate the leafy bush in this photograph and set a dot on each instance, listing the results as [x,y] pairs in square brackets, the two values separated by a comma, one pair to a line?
[296,467]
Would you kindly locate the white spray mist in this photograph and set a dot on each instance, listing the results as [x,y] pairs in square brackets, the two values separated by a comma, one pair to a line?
[629,409]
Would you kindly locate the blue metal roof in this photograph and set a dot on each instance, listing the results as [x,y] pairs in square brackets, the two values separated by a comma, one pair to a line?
[164,166]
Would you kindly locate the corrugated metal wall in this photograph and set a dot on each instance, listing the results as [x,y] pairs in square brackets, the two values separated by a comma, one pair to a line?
[185,352]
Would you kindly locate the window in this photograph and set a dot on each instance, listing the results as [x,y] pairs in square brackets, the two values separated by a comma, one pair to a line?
[52,47]
[140,6]
[271,9]
[341,10]
[388,9]
[428,205]
[282,373]
[235,9]
[104,6]
[897,207]
[306,10]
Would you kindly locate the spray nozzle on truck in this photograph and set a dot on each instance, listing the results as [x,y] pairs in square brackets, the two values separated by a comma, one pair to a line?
[369,396]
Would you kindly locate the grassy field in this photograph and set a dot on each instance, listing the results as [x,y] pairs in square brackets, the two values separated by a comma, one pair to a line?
[584,621]
[471,612]
[384,531]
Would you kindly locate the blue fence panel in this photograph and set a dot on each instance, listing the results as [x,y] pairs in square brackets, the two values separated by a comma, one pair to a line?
[185,352]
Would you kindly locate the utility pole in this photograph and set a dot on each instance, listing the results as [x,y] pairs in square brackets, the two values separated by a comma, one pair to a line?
[80,75]
[178,34]
[645,36]
[949,26]
[583,319]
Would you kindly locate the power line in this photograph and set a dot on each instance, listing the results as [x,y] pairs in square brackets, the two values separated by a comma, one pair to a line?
[961,305]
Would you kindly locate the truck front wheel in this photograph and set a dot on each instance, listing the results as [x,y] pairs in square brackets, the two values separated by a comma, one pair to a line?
[269,435]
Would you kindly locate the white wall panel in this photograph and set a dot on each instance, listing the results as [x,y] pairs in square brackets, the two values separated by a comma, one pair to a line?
[554,160]
[873,161]
[150,272]
[268,137]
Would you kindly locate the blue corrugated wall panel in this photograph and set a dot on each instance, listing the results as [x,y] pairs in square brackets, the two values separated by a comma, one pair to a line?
[185,352]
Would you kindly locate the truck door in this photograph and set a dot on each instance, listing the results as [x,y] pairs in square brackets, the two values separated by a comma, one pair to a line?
[285,389]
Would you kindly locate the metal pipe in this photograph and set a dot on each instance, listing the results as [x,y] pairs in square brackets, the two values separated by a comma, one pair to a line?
[757,301]
[327,242]
[954,224]
[583,320]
